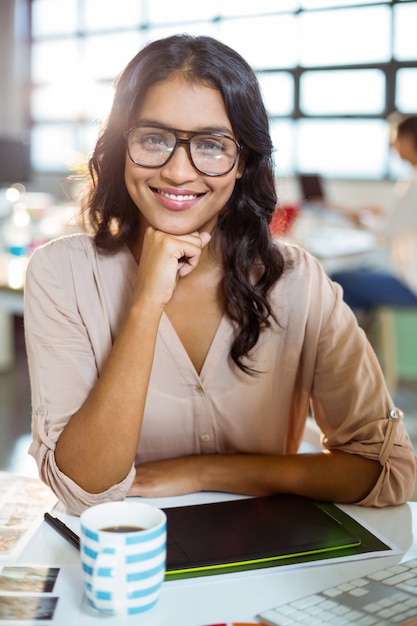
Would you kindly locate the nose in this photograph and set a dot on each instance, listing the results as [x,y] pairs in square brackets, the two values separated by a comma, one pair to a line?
[180,168]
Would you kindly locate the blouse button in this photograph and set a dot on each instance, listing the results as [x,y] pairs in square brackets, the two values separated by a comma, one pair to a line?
[40,411]
[205,437]
[394,414]
[199,390]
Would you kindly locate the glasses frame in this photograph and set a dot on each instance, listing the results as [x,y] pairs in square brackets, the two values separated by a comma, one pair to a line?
[186,142]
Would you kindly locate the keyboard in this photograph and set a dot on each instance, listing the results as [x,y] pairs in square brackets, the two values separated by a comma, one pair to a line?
[385,598]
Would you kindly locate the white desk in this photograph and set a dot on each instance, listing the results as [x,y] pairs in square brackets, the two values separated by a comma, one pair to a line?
[229,597]
[335,241]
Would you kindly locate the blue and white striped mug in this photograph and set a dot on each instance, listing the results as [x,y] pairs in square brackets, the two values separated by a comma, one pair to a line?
[123,555]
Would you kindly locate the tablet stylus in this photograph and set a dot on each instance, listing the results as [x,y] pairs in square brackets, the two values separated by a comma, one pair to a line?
[62,529]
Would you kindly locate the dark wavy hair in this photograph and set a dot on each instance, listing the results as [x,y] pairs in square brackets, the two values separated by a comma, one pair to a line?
[252,262]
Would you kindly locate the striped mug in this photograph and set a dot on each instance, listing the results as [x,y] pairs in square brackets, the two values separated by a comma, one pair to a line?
[123,554]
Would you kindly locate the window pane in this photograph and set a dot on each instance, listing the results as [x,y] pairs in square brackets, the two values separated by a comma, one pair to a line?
[342,92]
[276,45]
[278,92]
[320,4]
[107,55]
[282,134]
[51,103]
[50,17]
[406,90]
[345,36]
[53,60]
[108,14]
[52,148]
[71,99]
[249,7]
[405,38]
[357,148]
[197,28]
[59,148]
[168,12]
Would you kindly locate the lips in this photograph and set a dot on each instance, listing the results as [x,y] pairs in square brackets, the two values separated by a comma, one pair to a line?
[177,200]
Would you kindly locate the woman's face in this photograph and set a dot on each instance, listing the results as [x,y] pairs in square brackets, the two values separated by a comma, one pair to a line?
[176,198]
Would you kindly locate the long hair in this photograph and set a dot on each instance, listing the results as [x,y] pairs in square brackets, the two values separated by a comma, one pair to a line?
[252,263]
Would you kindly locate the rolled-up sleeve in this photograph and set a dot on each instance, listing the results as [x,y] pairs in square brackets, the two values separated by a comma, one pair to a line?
[353,408]
[69,493]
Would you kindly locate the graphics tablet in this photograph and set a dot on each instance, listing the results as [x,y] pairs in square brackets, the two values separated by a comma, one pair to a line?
[263,530]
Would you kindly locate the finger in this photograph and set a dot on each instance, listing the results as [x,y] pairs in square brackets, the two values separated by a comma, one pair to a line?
[186,265]
[200,239]
[191,256]
[205,238]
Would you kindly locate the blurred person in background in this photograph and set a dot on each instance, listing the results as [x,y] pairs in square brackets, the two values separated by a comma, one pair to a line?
[396,284]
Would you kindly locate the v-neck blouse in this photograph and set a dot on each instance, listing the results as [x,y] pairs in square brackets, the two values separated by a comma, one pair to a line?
[315,358]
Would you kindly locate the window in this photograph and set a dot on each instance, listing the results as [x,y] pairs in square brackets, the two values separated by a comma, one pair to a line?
[343,92]
[405,40]
[345,36]
[406,90]
[330,72]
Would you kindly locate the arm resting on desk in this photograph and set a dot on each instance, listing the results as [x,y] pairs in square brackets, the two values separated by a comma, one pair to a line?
[383,477]
[336,476]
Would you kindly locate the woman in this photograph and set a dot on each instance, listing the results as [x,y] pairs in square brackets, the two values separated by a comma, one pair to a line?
[178,348]
[395,285]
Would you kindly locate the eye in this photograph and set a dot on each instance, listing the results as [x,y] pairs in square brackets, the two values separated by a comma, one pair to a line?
[154,141]
[209,145]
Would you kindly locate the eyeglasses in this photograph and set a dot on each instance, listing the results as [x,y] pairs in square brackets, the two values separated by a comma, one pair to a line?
[212,154]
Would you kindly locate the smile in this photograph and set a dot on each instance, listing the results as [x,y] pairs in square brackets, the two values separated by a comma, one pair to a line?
[178,197]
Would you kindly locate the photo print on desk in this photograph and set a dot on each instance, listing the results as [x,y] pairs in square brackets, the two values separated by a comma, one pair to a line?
[29,608]
[23,502]
[28,579]
[25,593]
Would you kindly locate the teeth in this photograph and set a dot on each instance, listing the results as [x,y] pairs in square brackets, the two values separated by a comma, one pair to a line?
[179,197]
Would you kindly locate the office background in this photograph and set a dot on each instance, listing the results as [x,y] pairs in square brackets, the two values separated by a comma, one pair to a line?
[331,73]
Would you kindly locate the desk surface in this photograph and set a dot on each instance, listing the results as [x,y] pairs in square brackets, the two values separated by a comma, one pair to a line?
[335,241]
[230,597]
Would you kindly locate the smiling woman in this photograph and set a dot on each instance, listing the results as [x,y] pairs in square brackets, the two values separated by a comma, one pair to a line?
[178,347]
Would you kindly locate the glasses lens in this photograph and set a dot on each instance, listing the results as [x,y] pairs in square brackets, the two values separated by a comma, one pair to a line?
[213,154]
[150,147]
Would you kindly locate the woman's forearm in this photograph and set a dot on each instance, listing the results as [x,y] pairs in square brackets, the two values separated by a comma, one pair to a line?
[334,477]
[97,447]
[331,476]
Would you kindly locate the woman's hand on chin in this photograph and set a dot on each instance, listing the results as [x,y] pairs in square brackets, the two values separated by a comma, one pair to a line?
[163,259]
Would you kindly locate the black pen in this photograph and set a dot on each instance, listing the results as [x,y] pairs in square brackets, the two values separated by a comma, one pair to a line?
[62,529]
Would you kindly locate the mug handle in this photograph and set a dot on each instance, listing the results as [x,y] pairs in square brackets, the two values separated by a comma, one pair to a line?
[109,565]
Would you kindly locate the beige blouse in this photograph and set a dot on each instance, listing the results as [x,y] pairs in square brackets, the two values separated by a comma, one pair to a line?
[315,357]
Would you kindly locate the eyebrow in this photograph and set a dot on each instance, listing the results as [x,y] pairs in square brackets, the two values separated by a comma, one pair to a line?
[224,130]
